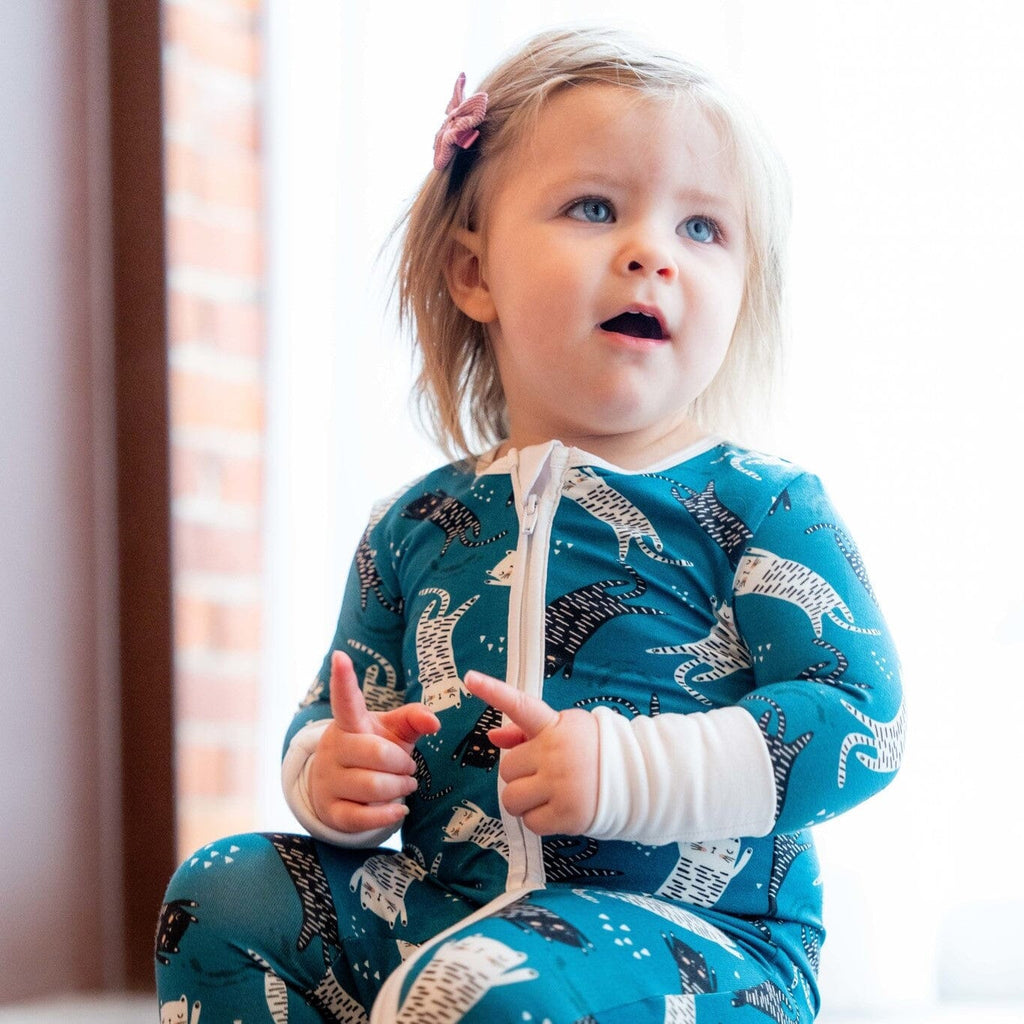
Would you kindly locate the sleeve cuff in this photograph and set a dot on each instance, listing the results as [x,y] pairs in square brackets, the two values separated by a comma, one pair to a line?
[295,781]
[683,778]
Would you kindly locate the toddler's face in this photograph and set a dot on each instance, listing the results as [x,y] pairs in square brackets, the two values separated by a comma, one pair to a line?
[611,265]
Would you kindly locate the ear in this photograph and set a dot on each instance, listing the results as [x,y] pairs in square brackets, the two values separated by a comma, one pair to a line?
[465,277]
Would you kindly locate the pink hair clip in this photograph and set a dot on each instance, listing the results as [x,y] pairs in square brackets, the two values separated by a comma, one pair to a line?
[460,126]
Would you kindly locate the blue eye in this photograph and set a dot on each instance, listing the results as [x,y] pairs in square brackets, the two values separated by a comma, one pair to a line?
[701,229]
[594,211]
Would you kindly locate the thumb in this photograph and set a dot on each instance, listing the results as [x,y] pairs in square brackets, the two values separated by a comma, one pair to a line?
[409,722]
[347,704]
[529,713]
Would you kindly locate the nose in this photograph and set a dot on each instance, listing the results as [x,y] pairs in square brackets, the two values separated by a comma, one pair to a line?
[649,256]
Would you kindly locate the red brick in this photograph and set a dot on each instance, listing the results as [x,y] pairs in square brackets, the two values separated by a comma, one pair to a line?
[234,249]
[216,549]
[228,478]
[243,482]
[212,771]
[212,119]
[233,127]
[230,179]
[186,315]
[213,40]
[181,168]
[202,624]
[208,697]
[213,164]
[244,8]
[182,96]
[199,401]
[239,327]
[206,821]
[236,328]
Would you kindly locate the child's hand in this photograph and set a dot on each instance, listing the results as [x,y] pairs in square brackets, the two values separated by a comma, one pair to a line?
[551,765]
[362,764]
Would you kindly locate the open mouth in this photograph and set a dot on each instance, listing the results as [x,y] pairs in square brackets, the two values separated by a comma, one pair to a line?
[635,325]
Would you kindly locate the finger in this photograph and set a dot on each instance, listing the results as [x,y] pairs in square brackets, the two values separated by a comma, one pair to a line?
[542,822]
[523,795]
[366,786]
[409,722]
[505,737]
[348,816]
[376,753]
[531,803]
[347,704]
[531,714]
[517,764]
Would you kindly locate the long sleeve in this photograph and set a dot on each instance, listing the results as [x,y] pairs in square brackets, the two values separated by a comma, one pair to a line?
[822,728]
[682,778]
[827,698]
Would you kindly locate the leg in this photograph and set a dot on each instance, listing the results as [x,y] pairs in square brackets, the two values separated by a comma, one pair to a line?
[573,956]
[266,929]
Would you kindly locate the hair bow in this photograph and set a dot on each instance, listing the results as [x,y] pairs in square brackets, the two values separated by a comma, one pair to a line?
[460,126]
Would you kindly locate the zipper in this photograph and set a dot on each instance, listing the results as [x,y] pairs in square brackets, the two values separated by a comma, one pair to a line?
[541,479]
[537,484]
[530,514]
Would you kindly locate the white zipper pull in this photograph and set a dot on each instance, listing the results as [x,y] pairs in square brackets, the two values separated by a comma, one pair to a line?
[529,515]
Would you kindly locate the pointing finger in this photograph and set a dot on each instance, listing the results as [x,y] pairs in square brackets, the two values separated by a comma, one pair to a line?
[529,713]
[347,704]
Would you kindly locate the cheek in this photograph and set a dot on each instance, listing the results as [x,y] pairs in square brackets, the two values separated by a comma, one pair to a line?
[707,360]
[530,297]
[717,330]
[530,268]
[728,289]
[723,304]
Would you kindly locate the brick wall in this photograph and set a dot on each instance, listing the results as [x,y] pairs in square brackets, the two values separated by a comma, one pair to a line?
[212,69]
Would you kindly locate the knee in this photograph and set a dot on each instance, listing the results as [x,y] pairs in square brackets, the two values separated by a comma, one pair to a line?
[220,887]
[227,865]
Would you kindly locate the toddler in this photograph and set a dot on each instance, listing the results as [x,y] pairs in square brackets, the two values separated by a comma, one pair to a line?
[604,677]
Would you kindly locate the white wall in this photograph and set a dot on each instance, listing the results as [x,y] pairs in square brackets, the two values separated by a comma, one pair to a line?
[901,126]
[59,874]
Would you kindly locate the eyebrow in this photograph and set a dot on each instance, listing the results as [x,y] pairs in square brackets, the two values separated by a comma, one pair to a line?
[705,198]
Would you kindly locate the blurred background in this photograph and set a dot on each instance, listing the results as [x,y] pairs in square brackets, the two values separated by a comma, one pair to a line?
[204,391]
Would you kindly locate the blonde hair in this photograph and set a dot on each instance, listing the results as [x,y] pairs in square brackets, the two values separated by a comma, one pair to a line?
[458,386]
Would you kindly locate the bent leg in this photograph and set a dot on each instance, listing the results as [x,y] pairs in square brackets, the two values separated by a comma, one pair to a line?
[569,956]
[264,928]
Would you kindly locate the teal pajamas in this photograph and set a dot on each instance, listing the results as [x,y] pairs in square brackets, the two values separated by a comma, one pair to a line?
[723,581]
[559,953]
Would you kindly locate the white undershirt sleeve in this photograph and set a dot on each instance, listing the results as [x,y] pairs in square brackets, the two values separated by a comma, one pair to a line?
[295,781]
[683,778]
